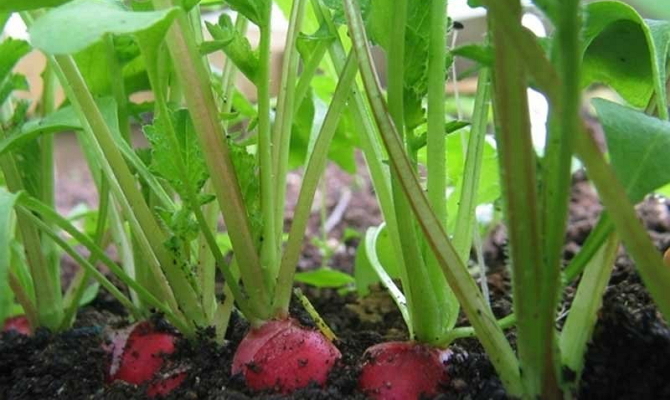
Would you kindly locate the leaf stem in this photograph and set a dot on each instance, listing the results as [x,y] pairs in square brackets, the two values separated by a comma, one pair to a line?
[281,134]
[314,169]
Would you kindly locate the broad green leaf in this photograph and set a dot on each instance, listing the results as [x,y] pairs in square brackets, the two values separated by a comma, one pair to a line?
[25,5]
[379,24]
[234,44]
[88,21]
[625,52]
[325,278]
[301,136]
[93,62]
[638,146]
[62,120]
[7,230]
[11,51]
[489,183]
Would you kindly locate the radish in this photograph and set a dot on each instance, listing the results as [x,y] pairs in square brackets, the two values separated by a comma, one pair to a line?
[138,357]
[284,356]
[403,371]
[18,324]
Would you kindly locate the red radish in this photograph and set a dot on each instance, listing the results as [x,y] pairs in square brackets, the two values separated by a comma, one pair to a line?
[138,357]
[284,356]
[18,324]
[403,371]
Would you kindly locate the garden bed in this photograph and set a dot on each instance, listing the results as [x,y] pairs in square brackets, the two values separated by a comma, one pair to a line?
[628,357]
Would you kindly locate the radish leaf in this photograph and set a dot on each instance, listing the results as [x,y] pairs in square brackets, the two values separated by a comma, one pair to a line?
[234,44]
[636,66]
[24,5]
[638,145]
[88,21]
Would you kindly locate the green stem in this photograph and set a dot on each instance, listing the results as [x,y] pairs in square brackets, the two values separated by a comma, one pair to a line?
[457,274]
[463,332]
[118,88]
[201,104]
[465,219]
[113,290]
[315,167]
[307,74]
[594,241]
[372,151]
[269,249]
[122,184]
[428,316]
[655,275]
[46,281]
[531,278]
[79,284]
[281,134]
[48,214]
[584,310]
[435,148]
[436,158]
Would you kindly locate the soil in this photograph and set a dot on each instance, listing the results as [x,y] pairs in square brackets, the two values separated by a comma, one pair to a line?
[628,358]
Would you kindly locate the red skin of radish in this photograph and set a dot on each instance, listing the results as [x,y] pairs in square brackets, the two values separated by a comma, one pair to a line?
[18,324]
[403,371]
[138,358]
[284,356]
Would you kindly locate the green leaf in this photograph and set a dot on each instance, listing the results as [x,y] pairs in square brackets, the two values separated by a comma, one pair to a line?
[11,51]
[307,44]
[247,176]
[634,67]
[7,230]
[481,53]
[13,82]
[234,44]
[638,146]
[254,10]
[88,21]
[93,62]
[25,5]
[167,156]
[325,278]
[338,10]
[449,127]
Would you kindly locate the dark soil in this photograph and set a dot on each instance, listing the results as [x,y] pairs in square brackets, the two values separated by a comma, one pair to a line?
[629,357]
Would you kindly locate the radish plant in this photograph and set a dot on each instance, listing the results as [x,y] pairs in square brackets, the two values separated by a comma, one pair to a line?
[534,189]
[161,206]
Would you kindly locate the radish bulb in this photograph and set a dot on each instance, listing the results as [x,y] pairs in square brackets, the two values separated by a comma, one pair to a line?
[284,356]
[18,324]
[138,357]
[403,371]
